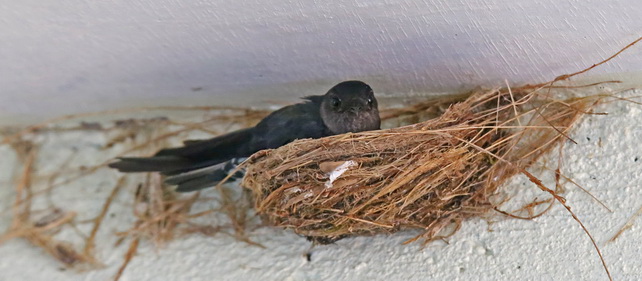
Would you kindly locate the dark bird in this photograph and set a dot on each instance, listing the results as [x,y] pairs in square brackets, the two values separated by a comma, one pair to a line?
[349,106]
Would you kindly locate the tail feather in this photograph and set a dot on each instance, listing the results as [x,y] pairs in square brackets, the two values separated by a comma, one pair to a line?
[205,177]
[167,165]
[151,164]
[195,154]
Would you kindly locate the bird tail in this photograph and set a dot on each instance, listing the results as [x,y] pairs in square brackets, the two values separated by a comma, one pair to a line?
[166,165]
[206,177]
[193,155]
[150,164]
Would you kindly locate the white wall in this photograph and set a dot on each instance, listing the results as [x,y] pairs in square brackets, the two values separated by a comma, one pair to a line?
[59,57]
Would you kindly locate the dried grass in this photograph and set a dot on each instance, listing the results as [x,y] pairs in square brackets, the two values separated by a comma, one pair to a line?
[40,230]
[159,212]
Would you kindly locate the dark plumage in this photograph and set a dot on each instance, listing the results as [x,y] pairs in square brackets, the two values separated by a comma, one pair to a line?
[349,106]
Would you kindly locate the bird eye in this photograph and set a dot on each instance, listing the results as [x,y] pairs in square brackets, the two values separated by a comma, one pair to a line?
[336,102]
[370,101]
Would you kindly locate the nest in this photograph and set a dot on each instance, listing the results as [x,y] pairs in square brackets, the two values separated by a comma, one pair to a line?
[428,176]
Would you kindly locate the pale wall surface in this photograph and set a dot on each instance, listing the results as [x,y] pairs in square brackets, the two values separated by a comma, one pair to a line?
[72,56]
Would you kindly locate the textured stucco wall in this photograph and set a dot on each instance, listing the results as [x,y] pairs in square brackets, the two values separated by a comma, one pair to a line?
[76,55]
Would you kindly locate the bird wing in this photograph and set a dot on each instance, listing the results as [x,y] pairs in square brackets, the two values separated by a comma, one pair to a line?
[193,155]
[273,136]
[299,121]
[286,125]
[204,163]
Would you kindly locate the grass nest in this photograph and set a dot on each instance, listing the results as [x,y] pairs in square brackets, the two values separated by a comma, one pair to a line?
[429,176]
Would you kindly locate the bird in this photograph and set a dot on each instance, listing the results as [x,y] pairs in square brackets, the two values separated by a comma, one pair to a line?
[349,106]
